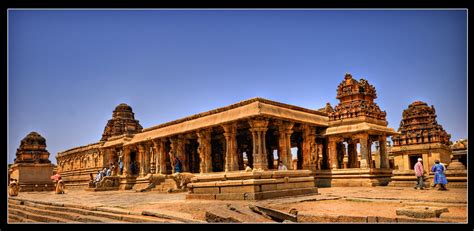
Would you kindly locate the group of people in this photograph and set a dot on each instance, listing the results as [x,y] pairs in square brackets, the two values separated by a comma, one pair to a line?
[439,175]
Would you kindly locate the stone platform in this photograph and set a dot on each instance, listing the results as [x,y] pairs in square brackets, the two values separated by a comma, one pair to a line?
[407,178]
[251,185]
[352,177]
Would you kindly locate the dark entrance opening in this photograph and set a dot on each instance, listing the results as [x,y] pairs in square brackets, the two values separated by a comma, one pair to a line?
[218,155]
[413,159]
[133,163]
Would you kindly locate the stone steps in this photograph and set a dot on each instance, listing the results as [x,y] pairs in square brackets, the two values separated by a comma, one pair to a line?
[12,218]
[23,210]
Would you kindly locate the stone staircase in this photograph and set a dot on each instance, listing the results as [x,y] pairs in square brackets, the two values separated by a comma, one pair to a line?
[22,210]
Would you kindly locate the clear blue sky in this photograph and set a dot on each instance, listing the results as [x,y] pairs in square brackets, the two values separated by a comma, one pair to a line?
[68,69]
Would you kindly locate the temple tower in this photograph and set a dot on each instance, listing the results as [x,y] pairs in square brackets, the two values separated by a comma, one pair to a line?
[32,167]
[420,137]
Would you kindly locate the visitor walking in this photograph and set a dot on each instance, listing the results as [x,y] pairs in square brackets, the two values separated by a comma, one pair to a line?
[419,171]
[440,177]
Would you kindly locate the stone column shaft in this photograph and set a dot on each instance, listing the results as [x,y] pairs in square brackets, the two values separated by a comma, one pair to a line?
[230,132]
[126,161]
[141,154]
[258,129]
[332,153]
[204,150]
[364,162]
[284,143]
[309,148]
[383,152]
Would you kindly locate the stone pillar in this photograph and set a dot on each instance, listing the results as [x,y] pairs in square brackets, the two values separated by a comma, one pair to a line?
[160,155]
[126,161]
[153,158]
[204,150]
[332,153]
[141,157]
[310,156]
[258,127]
[181,153]
[364,162]
[231,159]
[352,154]
[285,129]
[383,152]
[173,148]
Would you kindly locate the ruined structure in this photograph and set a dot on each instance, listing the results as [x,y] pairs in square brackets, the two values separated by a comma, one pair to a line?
[215,144]
[356,120]
[420,137]
[32,167]
[456,172]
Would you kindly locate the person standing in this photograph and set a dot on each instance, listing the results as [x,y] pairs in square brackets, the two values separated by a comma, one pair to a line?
[177,165]
[440,177]
[419,171]
[281,166]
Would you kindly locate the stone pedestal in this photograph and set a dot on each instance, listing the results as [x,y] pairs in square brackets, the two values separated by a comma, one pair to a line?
[33,176]
[456,174]
[352,177]
[251,185]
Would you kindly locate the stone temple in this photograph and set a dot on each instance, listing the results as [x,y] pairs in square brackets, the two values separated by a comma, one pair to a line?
[334,147]
[420,137]
[32,167]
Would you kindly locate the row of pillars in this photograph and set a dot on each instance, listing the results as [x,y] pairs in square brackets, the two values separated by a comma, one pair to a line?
[152,154]
[335,145]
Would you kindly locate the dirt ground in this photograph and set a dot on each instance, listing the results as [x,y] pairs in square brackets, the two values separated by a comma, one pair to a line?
[349,201]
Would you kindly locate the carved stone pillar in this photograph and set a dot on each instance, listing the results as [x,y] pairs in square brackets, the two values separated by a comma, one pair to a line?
[258,127]
[141,157]
[126,161]
[161,153]
[153,158]
[332,152]
[383,152]
[204,150]
[285,129]
[310,157]
[181,153]
[352,154]
[364,152]
[231,159]
[173,150]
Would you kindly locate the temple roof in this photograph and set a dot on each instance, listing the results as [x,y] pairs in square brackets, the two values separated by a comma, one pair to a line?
[244,109]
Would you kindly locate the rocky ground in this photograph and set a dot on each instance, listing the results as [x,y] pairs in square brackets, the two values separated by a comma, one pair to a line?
[337,204]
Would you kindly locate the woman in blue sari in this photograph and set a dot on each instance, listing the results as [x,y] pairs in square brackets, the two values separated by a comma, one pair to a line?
[439,178]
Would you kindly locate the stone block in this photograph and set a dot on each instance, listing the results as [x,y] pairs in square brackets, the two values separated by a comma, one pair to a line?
[206,190]
[386,220]
[241,175]
[307,184]
[268,187]
[301,179]
[261,181]
[201,196]
[231,196]
[421,211]
[229,183]
[210,177]
[202,184]
[371,219]
[240,189]
[351,219]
